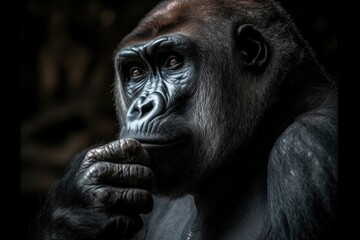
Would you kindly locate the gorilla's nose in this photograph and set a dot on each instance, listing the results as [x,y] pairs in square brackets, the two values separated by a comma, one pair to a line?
[145,109]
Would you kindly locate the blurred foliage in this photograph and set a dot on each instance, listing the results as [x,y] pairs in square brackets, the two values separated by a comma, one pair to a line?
[67,81]
[68,73]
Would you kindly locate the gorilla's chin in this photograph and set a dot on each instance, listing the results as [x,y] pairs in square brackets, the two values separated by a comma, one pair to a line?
[173,165]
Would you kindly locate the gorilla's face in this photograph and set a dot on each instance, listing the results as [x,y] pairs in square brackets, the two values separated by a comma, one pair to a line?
[189,96]
[158,79]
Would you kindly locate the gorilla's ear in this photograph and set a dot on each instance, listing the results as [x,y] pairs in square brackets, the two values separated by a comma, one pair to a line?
[252,45]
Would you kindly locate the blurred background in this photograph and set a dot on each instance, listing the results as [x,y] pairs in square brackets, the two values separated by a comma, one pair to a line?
[67,77]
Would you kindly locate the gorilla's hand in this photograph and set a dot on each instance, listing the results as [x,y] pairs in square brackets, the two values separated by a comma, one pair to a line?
[114,179]
[107,192]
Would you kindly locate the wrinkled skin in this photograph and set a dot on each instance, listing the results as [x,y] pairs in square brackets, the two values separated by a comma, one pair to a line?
[112,185]
[160,97]
[228,131]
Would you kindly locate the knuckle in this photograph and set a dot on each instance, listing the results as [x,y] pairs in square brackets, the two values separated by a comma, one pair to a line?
[109,149]
[134,170]
[97,170]
[124,171]
[101,195]
[93,174]
[101,168]
[92,156]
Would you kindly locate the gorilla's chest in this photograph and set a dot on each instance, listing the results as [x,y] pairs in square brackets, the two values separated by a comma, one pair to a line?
[170,219]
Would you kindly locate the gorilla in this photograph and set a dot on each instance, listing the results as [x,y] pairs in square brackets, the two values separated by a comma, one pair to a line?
[228,131]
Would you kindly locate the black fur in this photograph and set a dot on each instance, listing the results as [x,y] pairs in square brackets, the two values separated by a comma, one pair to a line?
[244,121]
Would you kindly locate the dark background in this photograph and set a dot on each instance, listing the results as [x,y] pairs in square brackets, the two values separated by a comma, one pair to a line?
[67,77]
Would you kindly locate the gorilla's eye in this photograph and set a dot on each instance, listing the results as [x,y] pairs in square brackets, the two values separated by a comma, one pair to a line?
[173,61]
[136,72]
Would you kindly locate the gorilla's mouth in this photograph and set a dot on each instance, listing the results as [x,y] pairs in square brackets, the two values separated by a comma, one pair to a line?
[155,143]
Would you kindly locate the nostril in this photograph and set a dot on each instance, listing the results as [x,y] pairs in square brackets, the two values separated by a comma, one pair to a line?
[136,111]
[146,108]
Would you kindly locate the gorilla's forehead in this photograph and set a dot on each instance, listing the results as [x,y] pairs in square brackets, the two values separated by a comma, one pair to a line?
[186,17]
[169,42]
[171,6]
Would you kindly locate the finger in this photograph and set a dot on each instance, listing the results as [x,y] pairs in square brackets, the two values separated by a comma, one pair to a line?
[121,151]
[125,175]
[121,226]
[125,200]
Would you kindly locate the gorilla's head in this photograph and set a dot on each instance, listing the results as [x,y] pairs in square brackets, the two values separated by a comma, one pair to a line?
[195,81]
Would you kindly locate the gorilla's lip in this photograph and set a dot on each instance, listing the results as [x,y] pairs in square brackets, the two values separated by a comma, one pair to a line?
[150,143]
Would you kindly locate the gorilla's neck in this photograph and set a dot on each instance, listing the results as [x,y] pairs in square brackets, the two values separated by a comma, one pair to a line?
[233,200]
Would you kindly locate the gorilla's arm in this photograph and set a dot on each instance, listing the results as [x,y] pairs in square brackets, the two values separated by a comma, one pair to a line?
[51,222]
[101,195]
[302,177]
